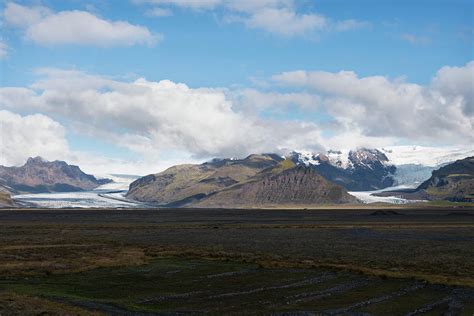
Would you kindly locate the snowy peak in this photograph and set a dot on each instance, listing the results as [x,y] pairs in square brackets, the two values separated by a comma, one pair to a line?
[337,158]
[391,155]
[344,159]
[306,158]
[368,158]
[356,170]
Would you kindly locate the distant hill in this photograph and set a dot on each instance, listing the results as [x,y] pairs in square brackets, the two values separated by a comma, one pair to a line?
[263,180]
[38,175]
[453,182]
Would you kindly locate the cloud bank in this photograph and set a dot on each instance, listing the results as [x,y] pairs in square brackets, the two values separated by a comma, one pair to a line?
[439,112]
[30,136]
[153,118]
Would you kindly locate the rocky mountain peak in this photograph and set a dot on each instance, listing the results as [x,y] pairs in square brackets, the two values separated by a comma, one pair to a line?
[369,158]
[35,161]
[40,175]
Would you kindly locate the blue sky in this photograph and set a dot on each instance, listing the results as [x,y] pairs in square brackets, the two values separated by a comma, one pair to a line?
[262,65]
[202,51]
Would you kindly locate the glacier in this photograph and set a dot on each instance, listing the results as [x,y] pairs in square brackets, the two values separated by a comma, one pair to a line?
[110,195]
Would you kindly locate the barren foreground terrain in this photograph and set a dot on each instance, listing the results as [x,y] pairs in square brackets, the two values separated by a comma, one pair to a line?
[396,261]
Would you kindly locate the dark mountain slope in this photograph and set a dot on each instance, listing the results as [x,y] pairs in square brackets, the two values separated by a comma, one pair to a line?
[296,186]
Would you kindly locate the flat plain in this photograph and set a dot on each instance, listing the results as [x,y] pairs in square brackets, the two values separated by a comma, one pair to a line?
[367,261]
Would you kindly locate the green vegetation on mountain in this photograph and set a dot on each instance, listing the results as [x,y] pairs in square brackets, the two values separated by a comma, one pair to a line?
[186,181]
[258,180]
[454,182]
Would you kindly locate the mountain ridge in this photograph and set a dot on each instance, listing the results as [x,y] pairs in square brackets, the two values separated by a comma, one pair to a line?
[362,169]
[38,175]
[265,179]
[300,185]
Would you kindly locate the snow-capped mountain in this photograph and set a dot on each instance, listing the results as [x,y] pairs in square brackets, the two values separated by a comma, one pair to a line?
[356,170]
[372,169]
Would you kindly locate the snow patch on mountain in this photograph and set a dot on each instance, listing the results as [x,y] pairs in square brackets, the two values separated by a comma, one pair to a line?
[305,157]
[343,159]
[339,158]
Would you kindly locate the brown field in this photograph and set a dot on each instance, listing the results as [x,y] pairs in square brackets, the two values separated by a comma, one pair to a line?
[377,261]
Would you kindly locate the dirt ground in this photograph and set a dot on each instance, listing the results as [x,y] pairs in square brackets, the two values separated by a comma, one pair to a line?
[375,261]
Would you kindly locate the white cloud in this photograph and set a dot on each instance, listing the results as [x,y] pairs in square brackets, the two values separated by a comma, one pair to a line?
[34,135]
[3,50]
[285,21]
[252,100]
[23,16]
[45,27]
[193,4]
[159,12]
[151,118]
[379,107]
[457,83]
[414,39]
[280,17]
[102,166]
[351,24]
[29,136]
[355,138]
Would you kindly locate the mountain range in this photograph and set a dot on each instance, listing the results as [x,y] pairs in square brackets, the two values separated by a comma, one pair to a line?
[257,180]
[38,175]
[299,178]
[269,179]
[357,170]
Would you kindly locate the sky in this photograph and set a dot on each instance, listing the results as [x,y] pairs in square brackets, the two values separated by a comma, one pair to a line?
[135,86]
